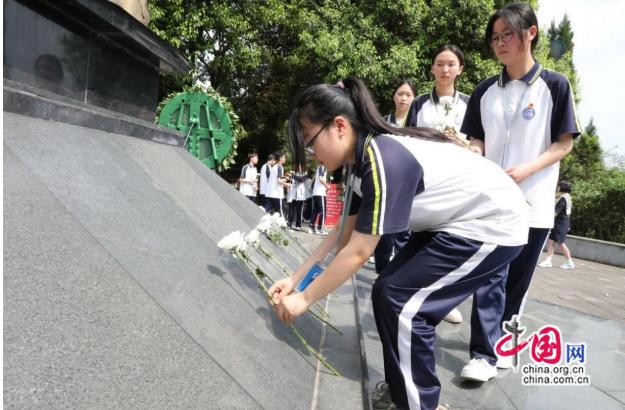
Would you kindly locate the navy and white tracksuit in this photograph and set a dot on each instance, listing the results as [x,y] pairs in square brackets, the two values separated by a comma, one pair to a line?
[249,173]
[518,120]
[319,199]
[265,172]
[468,221]
[432,111]
[275,191]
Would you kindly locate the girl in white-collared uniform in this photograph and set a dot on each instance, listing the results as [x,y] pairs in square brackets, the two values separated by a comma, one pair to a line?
[468,221]
[524,121]
[442,108]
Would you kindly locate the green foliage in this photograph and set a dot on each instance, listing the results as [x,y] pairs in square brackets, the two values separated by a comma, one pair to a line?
[238,132]
[598,193]
[261,54]
[585,160]
[599,206]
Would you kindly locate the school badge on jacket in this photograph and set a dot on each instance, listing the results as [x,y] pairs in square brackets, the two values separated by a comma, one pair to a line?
[529,112]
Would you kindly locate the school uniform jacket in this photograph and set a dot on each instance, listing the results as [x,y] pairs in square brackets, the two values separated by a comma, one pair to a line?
[265,172]
[407,183]
[318,188]
[274,189]
[538,107]
[427,110]
[249,173]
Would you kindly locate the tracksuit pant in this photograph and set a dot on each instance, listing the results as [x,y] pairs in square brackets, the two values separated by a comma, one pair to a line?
[318,208]
[295,213]
[433,273]
[386,245]
[274,205]
[497,300]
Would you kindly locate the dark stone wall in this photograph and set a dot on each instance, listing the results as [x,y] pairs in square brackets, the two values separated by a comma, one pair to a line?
[57,50]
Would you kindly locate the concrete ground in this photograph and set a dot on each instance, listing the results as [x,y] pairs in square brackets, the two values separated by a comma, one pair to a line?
[587,304]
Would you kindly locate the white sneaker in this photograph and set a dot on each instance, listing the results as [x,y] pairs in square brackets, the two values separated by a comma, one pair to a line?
[505,362]
[311,230]
[545,264]
[322,232]
[478,369]
[568,265]
[453,317]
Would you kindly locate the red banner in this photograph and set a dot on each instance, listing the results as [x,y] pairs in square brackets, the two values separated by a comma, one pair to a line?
[334,204]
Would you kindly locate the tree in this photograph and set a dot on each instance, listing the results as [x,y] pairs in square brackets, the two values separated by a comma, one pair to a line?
[261,54]
[560,38]
[565,33]
[585,160]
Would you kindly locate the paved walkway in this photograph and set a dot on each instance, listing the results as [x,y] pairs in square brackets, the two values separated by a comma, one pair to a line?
[587,304]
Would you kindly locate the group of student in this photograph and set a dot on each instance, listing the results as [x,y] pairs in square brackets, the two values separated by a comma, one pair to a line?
[306,194]
[467,182]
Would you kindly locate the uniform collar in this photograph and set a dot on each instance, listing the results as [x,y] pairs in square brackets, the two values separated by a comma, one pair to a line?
[529,78]
[434,98]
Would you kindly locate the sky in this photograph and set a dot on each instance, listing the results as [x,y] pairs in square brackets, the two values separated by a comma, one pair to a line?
[599,57]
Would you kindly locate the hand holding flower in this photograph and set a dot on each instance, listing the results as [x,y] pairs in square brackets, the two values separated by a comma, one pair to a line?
[280,289]
[291,306]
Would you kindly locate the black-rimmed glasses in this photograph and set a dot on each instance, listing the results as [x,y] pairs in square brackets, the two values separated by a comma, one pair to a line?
[505,37]
[308,147]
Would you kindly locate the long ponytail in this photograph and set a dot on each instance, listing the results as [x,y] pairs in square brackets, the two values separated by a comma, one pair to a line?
[321,103]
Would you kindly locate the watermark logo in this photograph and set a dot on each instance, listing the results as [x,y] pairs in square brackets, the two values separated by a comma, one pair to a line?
[546,351]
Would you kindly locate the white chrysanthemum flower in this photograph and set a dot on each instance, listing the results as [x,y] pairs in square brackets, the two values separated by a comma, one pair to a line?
[253,237]
[234,241]
[264,226]
[446,99]
[279,221]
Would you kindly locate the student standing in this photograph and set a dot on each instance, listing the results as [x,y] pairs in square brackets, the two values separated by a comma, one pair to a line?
[524,121]
[319,189]
[308,201]
[276,184]
[390,244]
[468,219]
[248,182]
[442,108]
[298,192]
[265,172]
[561,226]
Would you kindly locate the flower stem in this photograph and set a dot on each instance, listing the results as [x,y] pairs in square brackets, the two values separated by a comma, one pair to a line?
[313,351]
[322,320]
[292,327]
[268,254]
[253,269]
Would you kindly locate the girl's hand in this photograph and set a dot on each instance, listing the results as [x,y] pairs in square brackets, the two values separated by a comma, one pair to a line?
[290,307]
[280,289]
[450,134]
[519,173]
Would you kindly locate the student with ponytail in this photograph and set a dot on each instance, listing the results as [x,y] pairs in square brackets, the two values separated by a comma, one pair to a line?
[468,221]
